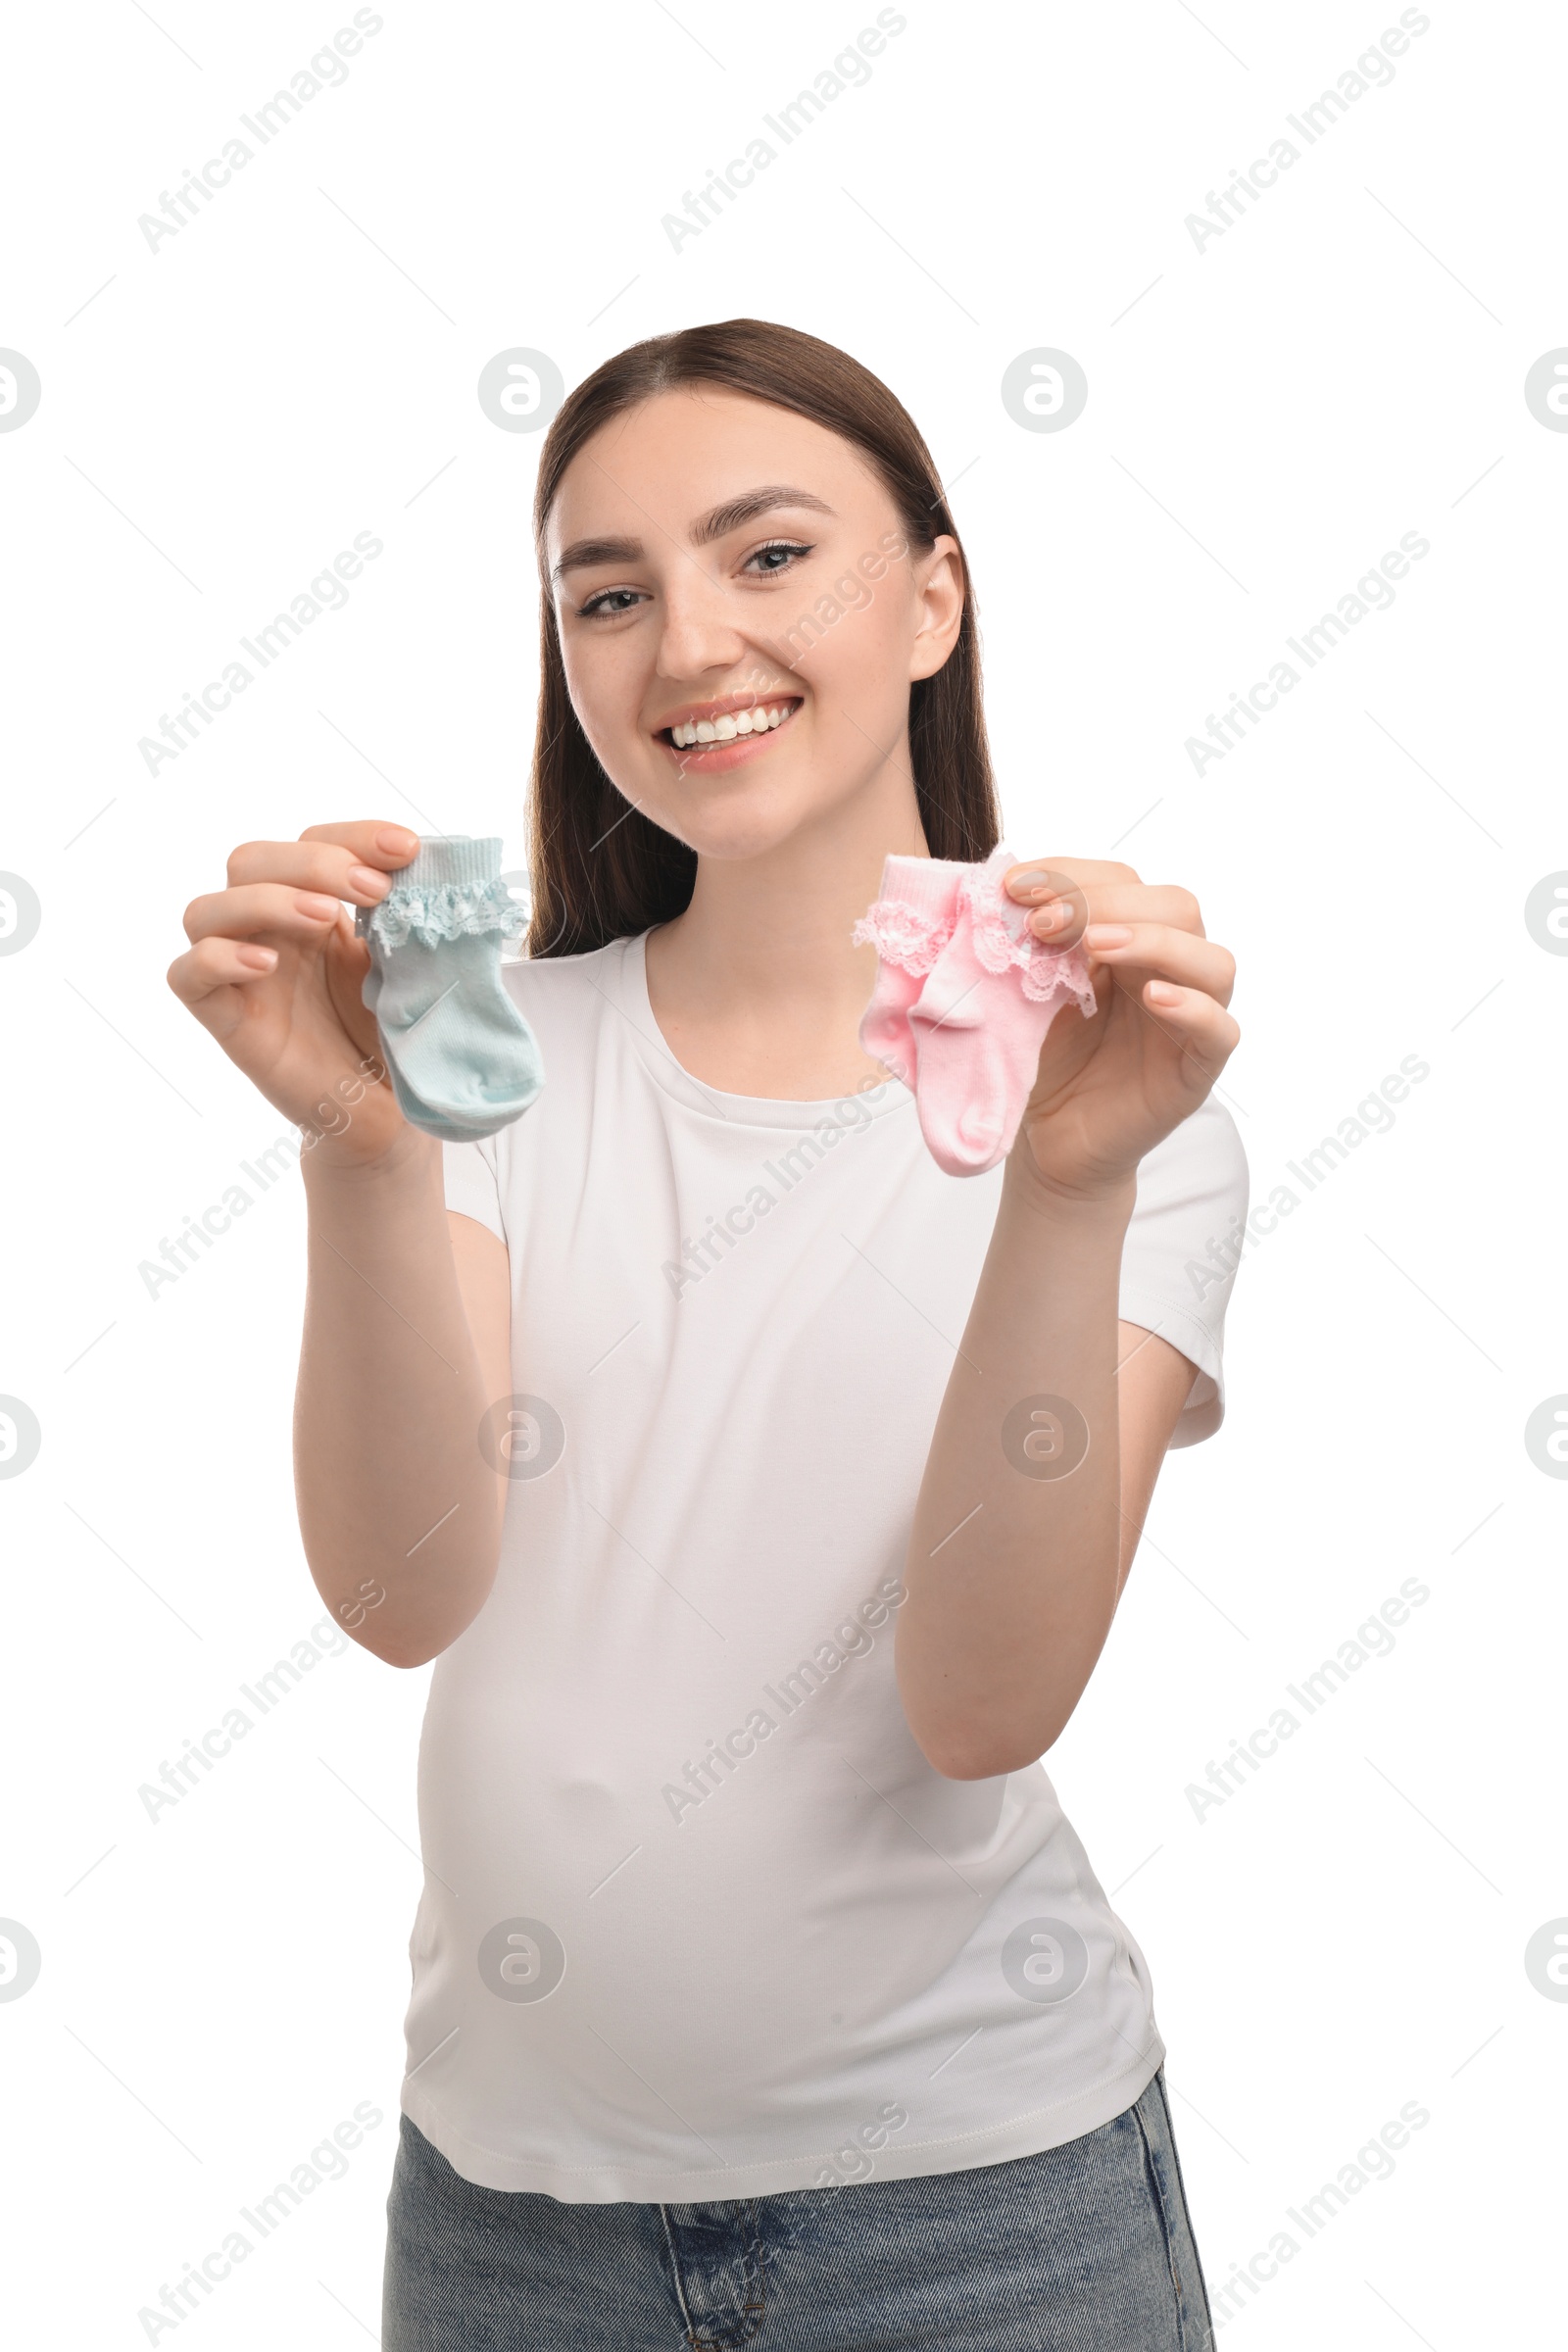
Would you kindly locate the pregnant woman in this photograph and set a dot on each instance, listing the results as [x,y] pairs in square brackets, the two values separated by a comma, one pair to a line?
[762,1491]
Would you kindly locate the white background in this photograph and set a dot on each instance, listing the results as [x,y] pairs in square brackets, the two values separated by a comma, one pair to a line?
[1266,415]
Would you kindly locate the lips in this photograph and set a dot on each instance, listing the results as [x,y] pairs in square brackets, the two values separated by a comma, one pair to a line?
[732,719]
[731,724]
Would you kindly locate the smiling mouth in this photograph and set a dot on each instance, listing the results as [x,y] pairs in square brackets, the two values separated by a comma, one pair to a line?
[731,726]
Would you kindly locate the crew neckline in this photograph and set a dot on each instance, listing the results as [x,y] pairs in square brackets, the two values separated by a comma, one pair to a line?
[744,1110]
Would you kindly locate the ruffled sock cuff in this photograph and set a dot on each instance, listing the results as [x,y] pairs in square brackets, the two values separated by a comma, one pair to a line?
[911,920]
[452,890]
[1000,939]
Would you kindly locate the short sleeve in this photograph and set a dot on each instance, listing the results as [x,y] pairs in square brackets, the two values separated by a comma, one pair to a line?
[1181,1251]
[473,1184]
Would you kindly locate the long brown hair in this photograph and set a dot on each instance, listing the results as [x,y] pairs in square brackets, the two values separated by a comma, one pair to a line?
[601,870]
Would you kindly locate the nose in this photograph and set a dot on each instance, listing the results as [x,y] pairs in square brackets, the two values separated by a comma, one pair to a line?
[700,632]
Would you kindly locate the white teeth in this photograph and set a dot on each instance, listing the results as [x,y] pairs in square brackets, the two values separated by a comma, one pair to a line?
[732,724]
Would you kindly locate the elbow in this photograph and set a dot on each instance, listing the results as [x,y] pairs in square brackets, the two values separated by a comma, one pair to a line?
[412,1628]
[418,1642]
[984,1751]
[407,1646]
[407,1654]
[970,1729]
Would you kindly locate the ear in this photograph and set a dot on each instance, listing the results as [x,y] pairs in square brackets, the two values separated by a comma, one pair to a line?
[939,590]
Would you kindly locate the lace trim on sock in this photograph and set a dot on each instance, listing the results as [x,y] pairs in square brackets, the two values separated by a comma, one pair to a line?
[442,911]
[900,934]
[1002,941]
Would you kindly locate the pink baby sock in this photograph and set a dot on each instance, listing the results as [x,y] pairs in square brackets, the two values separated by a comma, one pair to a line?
[909,924]
[981,1019]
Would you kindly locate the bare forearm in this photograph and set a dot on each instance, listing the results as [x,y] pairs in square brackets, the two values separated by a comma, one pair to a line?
[1014,1552]
[399,1511]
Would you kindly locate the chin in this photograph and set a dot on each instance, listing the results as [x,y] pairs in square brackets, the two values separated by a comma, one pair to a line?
[731,816]
[730,834]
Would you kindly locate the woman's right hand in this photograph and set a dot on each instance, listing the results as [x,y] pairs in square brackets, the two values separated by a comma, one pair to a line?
[274,971]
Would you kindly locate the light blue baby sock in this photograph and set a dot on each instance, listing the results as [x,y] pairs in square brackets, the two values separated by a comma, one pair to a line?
[463,1061]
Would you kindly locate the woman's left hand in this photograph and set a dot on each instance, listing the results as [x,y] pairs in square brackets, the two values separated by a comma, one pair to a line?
[1111,1087]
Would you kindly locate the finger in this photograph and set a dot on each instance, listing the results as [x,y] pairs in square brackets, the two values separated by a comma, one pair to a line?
[1033,879]
[1189,1017]
[318,865]
[371,841]
[1061,920]
[1166,954]
[208,979]
[301,917]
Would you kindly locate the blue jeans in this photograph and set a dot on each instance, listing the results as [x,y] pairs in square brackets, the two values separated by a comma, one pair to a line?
[1082,2248]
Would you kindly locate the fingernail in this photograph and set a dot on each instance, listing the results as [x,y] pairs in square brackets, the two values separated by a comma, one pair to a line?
[1029,882]
[312,902]
[1107,935]
[1051,918]
[368,882]
[397,841]
[1163,993]
[259,960]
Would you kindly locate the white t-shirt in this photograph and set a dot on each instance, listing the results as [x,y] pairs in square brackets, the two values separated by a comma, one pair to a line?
[700,1920]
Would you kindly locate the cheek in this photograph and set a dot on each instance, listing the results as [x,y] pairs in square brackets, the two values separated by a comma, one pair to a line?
[859,667]
[604,681]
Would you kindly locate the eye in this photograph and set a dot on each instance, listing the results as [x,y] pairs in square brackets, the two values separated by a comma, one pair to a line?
[776,556]
[609,603]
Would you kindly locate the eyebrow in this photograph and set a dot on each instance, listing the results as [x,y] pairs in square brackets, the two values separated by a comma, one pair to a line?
[715,524]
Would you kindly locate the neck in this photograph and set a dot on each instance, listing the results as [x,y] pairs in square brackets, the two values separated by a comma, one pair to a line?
[759,979]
